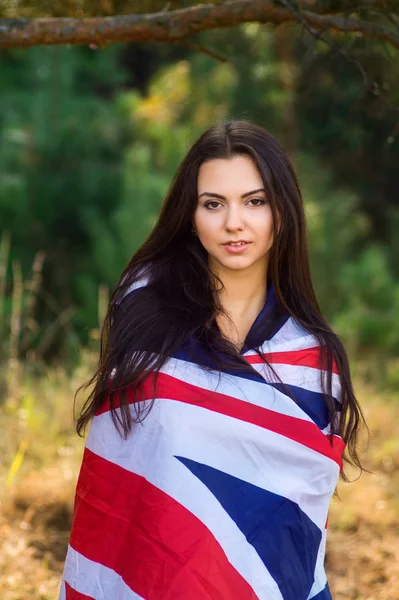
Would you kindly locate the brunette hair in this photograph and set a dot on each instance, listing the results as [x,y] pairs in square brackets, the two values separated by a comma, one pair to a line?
[144,328]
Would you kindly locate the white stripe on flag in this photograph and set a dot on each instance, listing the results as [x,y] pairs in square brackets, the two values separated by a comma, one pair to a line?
[292,336]
[252,392]
[93,579]
[306,378]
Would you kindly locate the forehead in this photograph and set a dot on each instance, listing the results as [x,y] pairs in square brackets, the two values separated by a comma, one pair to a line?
[226,176]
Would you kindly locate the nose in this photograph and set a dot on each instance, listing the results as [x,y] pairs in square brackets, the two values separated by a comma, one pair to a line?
[234,219]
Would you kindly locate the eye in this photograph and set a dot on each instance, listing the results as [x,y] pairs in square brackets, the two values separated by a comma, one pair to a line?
[260,201]
[208,204]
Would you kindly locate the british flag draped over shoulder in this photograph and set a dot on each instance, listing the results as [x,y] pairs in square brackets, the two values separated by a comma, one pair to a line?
[222,492]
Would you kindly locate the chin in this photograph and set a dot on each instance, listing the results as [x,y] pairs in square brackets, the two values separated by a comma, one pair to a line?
[236,263]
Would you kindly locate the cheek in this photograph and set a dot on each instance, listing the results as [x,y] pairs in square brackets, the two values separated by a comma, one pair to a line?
[206,227]
[263,224]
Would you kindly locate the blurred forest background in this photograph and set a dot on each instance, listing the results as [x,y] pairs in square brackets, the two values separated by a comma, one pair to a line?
[89,141]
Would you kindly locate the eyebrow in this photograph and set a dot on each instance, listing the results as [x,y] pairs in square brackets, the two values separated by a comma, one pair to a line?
[212,195]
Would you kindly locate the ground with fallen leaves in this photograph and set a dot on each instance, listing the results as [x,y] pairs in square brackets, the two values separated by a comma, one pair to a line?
[362,558]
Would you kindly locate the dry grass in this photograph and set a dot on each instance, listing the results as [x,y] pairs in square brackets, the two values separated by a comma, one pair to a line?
[37,488]
[363,545]
[35,514]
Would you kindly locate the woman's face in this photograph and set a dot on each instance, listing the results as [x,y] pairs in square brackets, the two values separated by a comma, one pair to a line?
[232,207]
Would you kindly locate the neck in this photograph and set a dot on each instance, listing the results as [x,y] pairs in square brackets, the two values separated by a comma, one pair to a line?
[245,290]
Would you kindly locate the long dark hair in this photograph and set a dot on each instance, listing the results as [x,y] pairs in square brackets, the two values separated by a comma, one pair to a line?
[144,328]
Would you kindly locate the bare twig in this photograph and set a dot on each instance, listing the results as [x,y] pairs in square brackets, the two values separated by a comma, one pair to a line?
[32,287]
[4,255]
[393,20]
[60,322]
[318,35]
[204,50]
[13,369]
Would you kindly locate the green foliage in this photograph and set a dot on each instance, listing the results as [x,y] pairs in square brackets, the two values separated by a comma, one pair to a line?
[369,319]
[336,226]
[357,291]
[61,147]
[354,130]
[86,159]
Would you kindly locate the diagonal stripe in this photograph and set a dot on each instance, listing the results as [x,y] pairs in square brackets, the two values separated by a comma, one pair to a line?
[309,357]
[160,549]
[72,594]
[304,377]
[256,455]
[303,432]
[284,537]
[323,595]
[200,357]
[257,392]
[312,403]
[85,579]
[320,579]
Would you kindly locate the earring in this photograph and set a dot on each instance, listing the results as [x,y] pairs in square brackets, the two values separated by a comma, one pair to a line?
[193,230]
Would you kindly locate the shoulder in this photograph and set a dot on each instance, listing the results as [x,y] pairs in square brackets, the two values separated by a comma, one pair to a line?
[303,352]
[292,336]
[142,280]
[135,292]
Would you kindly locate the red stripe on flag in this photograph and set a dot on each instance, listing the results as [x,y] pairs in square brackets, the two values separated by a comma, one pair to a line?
[159,548]
[306,433]
[72,594]
[310,357]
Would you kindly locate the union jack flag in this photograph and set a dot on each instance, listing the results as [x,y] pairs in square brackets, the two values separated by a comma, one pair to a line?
[221,493]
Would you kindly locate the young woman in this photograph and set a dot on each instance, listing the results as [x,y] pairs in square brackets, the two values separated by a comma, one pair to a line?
[223,401]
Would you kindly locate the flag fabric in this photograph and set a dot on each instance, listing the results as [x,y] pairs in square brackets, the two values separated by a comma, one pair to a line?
[222,492]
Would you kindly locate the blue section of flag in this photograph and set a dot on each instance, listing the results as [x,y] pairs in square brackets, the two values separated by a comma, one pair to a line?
[201,357]
[269,321]
[324,594]
[284,537]
[312,403]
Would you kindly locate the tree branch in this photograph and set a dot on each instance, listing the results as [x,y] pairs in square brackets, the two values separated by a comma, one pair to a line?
[165,26]
[348,6]
[382,6]
[174,26]
[351,25]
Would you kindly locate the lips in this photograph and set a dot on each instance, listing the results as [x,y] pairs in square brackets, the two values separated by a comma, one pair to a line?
[236,243]
[236,248]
